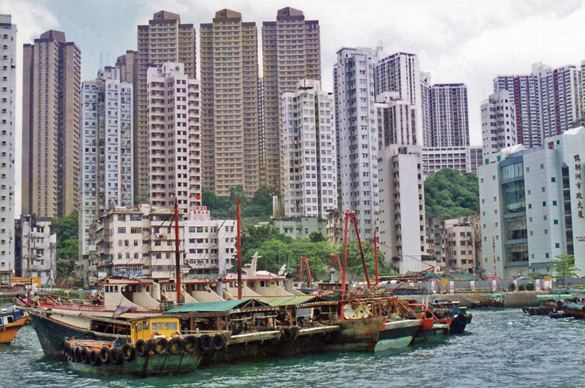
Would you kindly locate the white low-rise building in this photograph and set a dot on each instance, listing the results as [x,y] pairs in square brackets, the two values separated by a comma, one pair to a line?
[38,249]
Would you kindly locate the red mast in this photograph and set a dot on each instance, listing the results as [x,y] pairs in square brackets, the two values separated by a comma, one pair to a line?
[239,248]
[376,258]
[177,254]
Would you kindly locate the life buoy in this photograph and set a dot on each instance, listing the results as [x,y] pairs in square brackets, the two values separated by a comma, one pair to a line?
[142,348]
[77,354]
[128,352]
[116,356]
[160,346]
[94,357]
[218,342]
[190,344]
[176,346]
[85,355]
[205,342]
[104,355]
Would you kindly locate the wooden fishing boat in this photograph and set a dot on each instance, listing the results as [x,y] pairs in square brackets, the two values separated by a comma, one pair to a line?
[11,321]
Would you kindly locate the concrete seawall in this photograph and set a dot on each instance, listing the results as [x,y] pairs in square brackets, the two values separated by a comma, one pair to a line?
[517,299]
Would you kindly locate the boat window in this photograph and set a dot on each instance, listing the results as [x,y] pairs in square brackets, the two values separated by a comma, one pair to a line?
[170,325]
[139,326]
[115,288]
[9,319]
[261,283]
[157,325]
[145,325]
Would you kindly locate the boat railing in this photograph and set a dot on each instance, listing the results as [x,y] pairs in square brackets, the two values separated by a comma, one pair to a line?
[73,307]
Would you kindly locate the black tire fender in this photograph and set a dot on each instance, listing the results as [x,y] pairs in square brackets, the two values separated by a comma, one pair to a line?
[142,348]
[205,342]
[160,346]
[176,346]
[218,342]
[94,357]
[128,352]
[190,344]
[116,356]
[77,354]
[104,355]
[85,355]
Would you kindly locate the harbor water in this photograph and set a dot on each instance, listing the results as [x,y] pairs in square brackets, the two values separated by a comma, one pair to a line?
[501,348]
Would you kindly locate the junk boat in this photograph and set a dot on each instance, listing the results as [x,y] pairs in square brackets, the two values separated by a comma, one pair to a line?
[156,347]
[450,313]
[11,321]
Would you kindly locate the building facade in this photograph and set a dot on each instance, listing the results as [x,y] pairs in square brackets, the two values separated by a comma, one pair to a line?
[8,63]
[229,95]
[531,203]
[38,249]
[174,135]
[310,158]
[459,246]
[50,126]
[462,159]
[396,120]
[358,136]
[498,123]
[106,150]
[401,222]
[291,51]
[163,39]
[448,115]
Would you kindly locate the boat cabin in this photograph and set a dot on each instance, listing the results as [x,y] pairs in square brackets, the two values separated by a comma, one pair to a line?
[145,328]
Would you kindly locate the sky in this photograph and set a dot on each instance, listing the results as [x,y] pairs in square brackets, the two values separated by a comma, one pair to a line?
[457,41]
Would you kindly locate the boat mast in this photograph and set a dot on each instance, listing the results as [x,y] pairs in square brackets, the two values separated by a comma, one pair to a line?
[177,254]
[376,258]
[239,248]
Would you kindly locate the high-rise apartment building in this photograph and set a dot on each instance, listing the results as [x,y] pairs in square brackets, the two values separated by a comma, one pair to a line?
[547,102]
[462,159]
[50,126]
[498,123]
[229,95]
[396,120]
[310,161]
[291,51]
[448,115]
[164,39]
[401,222]
[358,135]
[106,149]
[400,73]
[174,135]
[7,138]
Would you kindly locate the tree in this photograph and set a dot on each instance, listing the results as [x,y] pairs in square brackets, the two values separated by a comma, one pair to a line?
[316,237]
[67,230]
[450,194]
[564,267]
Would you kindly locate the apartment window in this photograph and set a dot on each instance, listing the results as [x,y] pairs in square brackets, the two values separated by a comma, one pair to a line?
[121,230]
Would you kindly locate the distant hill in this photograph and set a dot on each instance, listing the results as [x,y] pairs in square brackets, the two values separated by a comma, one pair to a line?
[450,194]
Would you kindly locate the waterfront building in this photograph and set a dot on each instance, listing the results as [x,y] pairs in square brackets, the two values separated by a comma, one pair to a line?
[531,202]
[229,95]
[498,123]
[335,226]
[291,51]
[448,116]
[301,227]
[50,126]
[8,63]
[106,150]
[396,120]
[174,136]
[462,159]
[163,39]
[358,137]
[310,161]
[401,222]
[547,102]
[37,249]
[210,244]
[459,245]
[400,73]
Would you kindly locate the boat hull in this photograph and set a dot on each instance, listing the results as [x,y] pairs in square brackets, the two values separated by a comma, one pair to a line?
[459,323]
[357,334]
[398,334]
[52,331]
[8,332]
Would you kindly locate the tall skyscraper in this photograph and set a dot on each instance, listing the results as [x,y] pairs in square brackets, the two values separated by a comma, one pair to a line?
[106,150]
[229,95]
[358,136]
[547,102]
[164,39]
[174,138]
[291,51]
[449,119]
[7,136]
[400,73]
[310,170]
[396,120]
[498,123]
[50,126]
